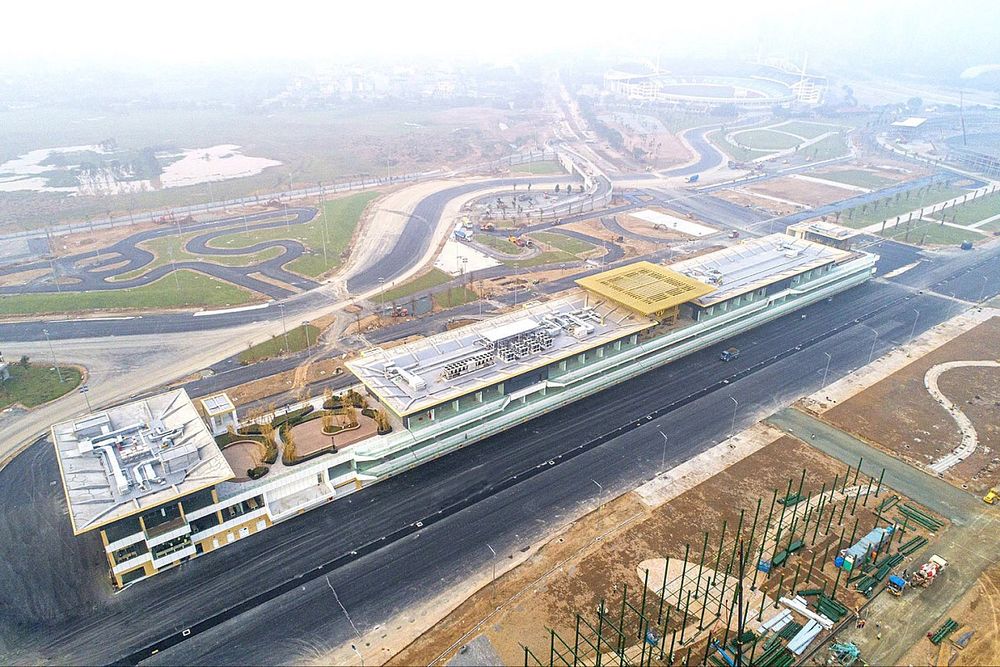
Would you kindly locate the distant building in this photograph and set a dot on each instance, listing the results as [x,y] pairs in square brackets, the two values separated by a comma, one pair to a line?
[220,413]
[827,233]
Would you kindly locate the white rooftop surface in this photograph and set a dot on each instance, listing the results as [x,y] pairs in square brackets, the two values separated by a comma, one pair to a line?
[912,121]
[218,404]
[450,259]
[422,383]
[828,229]
[672,222]
[165,451]
[755,263]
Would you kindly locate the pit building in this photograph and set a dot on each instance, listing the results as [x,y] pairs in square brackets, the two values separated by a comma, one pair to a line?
[149,476]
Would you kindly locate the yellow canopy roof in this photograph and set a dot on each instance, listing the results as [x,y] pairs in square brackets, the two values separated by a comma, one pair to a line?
[645,287]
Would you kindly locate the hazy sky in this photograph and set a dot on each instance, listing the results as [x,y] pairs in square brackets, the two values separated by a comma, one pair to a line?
[183,31]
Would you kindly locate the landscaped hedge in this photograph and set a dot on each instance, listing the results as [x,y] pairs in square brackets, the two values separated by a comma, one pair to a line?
[292,417]
[258,472]
[250,429]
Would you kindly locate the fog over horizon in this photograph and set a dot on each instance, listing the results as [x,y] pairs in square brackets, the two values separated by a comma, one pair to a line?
[919,38]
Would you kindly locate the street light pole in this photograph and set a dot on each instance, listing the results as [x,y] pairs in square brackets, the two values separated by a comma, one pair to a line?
[348,617]
[600,493]
[982,291]
[732,428]
[874,340]
[305,328]
[829,358]
[494,571]
[663,459]
[53,353]
[913,329]
[284,329]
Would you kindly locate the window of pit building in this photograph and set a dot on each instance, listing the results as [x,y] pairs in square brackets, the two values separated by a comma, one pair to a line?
[204,523]
[242,508]
[131,551]
[162,517]
[197,500]
[122,528]
[133,575]
[340,470]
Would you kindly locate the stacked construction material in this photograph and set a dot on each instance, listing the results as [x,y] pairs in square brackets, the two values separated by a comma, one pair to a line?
[920,517]
[801,641]
[946,629]
[912,545]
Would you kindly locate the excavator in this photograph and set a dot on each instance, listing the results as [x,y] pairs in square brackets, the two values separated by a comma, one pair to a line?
[992,496]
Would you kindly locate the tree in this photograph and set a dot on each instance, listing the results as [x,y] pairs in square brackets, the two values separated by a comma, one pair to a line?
[24,362]
[382,420]
[351,415]
[557,188]
[328,422]
[289,453]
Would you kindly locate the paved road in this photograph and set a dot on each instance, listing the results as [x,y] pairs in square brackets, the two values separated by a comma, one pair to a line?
[494,491]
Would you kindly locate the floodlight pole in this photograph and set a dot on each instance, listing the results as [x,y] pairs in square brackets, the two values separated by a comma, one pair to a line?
[53,353]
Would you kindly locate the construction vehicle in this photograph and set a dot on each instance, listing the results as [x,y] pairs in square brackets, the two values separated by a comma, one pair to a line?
[488,227]
[844,654]
[992,496]
[928,572]
[734,234]
[896,585]
[730,354]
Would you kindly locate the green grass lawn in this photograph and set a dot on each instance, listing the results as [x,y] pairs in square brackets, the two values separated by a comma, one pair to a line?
[806,129]
[183,288]
[432,278]
[932,233]
[826,149]
[545,167]
[298,339]
[454,296]
[991,226]
[37,384]
[738,153]
[890,207]
[973,211]
[858,177]
[565,243]
[765,140]
[548,257]
[167,247]
[335,222]
[499,244]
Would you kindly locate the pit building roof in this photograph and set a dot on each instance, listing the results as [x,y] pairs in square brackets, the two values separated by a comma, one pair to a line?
[828,229]
[132,457]
[644,287]
[417,376]
[756,263]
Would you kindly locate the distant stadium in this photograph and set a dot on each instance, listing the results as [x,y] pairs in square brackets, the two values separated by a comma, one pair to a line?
[980,153]
[705,92]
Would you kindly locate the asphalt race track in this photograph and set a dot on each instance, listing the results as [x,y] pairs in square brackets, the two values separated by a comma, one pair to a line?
[502,491]
[95,276]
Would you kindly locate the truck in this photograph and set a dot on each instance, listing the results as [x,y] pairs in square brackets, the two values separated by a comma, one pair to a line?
[896,585]
[693,178]
[729,354]
[928,572]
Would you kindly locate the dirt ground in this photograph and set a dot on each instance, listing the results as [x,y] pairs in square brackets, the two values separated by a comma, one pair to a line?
[21,277]
[899,415]
[978,611]
[646,228]
[664,149]
[596,557]
[271,385]
[632,247]
[743,198]
[803,192]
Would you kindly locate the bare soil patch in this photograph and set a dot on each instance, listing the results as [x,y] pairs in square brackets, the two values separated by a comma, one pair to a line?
[744,198]
[78,242]
[804,192]
[284,381]
[979,612]
[21,277]
[899,416]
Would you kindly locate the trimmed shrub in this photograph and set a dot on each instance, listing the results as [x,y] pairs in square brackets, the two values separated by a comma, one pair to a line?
[293,417]
[258,472]
[368,412]
[249,429]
